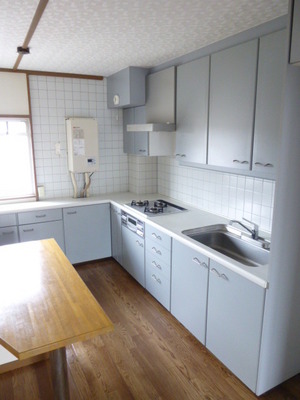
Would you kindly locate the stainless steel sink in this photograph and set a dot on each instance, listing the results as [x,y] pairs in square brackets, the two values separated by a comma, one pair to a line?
[233,243]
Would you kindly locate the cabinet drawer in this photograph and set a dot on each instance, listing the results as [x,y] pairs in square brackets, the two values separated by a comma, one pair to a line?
[159,286]
[8,235]
[33,217]
[157,250]
[8,220]
[156,265]
[52,229]
[158,237]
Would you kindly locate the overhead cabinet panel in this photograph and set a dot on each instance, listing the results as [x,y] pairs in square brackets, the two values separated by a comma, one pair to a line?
[15,101]
[126,88]
[192,110]
[295,35]
[271,65]
[232,99]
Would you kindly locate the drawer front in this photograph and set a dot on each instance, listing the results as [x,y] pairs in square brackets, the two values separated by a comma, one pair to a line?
[52,229]
[34,217]
[159,286]
[159,251]
[158,237]
[8,220]
[157,265]
[9,235]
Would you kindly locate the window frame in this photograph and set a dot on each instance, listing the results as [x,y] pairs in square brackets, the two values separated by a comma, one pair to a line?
[34,196]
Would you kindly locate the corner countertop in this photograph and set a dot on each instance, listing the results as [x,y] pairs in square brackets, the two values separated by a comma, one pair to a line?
[172,224]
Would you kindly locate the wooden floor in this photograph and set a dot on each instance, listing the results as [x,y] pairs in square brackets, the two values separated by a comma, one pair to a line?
[148,356]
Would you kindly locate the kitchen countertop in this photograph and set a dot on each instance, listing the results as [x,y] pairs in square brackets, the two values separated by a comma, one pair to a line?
[172,224]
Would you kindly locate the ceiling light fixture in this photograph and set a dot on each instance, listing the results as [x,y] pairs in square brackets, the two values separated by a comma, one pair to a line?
[22,50]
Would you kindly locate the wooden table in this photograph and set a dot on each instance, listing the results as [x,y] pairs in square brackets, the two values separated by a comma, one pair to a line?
[44,306]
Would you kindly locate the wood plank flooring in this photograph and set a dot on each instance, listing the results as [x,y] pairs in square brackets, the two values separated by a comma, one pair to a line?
[149,355]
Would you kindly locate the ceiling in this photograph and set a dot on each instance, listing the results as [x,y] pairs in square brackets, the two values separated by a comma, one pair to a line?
[100,37]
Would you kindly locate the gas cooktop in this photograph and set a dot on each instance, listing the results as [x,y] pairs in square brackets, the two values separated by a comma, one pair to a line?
[153,208]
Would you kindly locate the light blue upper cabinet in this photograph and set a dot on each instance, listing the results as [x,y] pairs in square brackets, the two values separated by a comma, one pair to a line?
[192,111]
[127,88]
[295,37]
[232,102]
[271,64]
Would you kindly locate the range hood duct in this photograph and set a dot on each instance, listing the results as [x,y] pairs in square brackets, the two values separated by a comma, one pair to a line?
[152,127]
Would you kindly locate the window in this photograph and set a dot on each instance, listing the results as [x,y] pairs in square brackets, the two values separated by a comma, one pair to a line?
[17,179]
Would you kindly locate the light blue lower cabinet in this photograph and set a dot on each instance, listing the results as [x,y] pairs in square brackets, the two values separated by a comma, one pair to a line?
[234,322]
[42,224]
[189,289]
[158,279]
[8,235]
[158,264]
[133,255]
[87,232]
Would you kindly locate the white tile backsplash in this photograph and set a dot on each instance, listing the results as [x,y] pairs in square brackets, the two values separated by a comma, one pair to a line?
[229,195]
[52,100]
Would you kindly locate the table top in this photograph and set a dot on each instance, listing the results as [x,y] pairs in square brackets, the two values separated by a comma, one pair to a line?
[44,304]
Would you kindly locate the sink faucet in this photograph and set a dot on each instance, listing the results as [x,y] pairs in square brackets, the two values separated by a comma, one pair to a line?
[254,231]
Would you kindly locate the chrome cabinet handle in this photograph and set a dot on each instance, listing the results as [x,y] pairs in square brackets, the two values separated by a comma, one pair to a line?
[223,276]
[156,236]
[8,233]
[142,150]
[28,230]
[139,243]
[240,162]
[264,165]
[40,216]
[156,265]
[180,155]
[215,272]
[197,261]
[71,212]
[156,251]
[156,279]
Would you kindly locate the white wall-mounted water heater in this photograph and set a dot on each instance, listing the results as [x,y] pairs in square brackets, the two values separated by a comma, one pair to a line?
[82,142]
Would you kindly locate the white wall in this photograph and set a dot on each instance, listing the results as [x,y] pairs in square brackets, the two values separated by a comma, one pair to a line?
[53,99]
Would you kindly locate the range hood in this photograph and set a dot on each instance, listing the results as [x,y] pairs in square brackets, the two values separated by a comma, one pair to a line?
[152,127]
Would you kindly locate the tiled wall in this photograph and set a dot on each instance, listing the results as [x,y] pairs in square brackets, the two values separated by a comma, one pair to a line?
[142,174]
[229,195]
[53,99]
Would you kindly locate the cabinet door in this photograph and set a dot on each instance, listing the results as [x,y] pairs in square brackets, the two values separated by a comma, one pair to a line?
[128,137]
[9,235]
[192,110]
[87,232]
[43,230]
[271,66]
[141,145]
[232,96]
[133,255]
[116,233]
[234,322]
[189,289]
[135,142]
[160,104]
